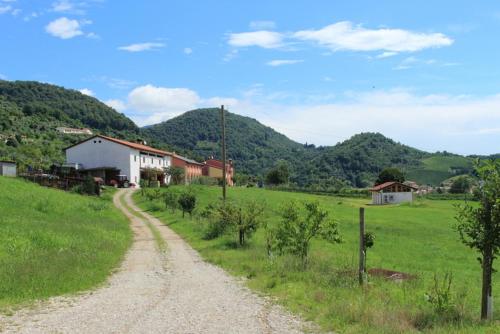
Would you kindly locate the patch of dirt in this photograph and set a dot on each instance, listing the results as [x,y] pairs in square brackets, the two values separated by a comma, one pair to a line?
[391,274]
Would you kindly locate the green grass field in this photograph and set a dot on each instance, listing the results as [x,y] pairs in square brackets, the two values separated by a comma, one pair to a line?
[417,239]
[53,242]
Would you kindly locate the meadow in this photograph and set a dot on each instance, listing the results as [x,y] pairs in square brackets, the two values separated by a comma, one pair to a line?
[53,242]
[417,238]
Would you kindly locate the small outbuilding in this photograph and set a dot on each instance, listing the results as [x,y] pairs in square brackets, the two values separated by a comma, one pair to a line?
[8,168]
[392,193]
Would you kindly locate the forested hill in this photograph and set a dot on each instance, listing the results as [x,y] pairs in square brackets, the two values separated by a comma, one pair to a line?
[254,147]
[30,112]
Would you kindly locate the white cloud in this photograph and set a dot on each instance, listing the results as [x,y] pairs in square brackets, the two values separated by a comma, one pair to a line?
[116,104]
[410,62]
[262,38]
[262,25]
[345,36]
[188,51]
[86,91]
[162,100]
[280,62]
[139,47]
[64,28]
[5,9]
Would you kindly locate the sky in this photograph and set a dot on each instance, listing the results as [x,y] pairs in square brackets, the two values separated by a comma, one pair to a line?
[424,73]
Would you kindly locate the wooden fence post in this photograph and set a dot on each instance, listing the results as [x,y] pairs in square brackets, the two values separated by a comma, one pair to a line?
[361,270]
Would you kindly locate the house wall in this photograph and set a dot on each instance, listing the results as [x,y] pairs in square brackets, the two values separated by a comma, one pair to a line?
[391,197]
[8,169]
[99,152]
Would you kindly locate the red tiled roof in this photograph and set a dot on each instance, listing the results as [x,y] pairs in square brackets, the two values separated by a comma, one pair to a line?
[136,146]
[187,160]
[216,163]
[388,184]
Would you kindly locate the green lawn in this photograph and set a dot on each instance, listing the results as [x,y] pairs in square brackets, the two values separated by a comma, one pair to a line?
[53,242]
[417,239]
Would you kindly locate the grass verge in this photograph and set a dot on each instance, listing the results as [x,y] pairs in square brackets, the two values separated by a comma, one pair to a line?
[53,242]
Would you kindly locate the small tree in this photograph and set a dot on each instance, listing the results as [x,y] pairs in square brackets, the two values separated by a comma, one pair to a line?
[171,201]
[176,174]
[369,241]
[460,185]
[297,228]
[279,174]
[479,226]
[187,202]
[248,220]
[390,174]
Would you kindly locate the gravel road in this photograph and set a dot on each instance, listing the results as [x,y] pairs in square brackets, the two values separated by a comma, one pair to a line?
[154,291]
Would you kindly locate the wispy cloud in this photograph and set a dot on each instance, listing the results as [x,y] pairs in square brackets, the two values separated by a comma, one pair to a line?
[5,9]
[281,62]
[140,47]
[86,91]
[188,51]
[386,54]
[346,36]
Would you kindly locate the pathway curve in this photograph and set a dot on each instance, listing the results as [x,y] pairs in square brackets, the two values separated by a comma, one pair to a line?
[157,292]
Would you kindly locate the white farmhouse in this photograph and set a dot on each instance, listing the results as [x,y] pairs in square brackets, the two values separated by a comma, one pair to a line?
[108,157]
[392,193]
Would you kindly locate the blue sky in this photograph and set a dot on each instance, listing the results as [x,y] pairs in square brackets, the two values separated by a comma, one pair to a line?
[424,73]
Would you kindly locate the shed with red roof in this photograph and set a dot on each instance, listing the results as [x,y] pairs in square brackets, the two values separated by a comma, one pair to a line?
[392,193]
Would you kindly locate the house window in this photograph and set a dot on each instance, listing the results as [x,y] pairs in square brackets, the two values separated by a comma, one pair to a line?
[135,158]
[152,160]
[135,177]
[144,159]
[95,141]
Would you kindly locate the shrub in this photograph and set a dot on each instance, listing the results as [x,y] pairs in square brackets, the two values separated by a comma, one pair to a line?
[440,294]
[187,202]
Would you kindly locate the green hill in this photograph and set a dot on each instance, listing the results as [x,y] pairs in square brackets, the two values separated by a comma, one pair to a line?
[30,112]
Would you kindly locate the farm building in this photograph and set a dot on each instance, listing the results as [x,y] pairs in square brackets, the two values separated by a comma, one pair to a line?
[8,168]
[213,168]
[192,169]
[392,193]
[107,157]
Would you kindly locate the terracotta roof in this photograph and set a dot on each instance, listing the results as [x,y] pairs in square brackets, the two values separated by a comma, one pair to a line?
[216,163]
[189,161]
[136,146]
[388,184]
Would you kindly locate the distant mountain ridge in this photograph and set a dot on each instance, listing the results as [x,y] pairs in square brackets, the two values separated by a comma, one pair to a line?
[30,112]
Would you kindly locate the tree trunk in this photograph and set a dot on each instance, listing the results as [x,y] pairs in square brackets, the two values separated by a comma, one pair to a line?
[242,237]
[486,289]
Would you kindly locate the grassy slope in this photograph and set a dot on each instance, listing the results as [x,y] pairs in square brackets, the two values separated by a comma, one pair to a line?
[436,169]
[52,242]
[417,239]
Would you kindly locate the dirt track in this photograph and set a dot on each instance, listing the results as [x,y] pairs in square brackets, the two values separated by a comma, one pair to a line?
[157,292]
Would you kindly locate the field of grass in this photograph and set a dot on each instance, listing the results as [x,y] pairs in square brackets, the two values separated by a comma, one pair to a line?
[53,242]
[417,239]
[436,169]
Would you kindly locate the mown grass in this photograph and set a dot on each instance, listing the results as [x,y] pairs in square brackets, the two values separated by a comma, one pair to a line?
[54,243]
[417,239]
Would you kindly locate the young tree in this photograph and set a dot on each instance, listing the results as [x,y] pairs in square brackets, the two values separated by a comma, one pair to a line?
[187,202]
[368,243]
[171,201]
[390,174]
[248,220]
[279,174]
[297,228]
[479,227]
[460,185]
[176,174]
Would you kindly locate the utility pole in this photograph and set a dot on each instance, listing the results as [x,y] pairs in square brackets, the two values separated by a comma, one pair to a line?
[361,272]
[223,123]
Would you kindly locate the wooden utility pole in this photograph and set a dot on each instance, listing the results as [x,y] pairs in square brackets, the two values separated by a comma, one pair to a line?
[361,271]
[223,123]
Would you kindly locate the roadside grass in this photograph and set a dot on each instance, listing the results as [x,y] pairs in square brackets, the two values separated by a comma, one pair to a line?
[53,242]
[416,239]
